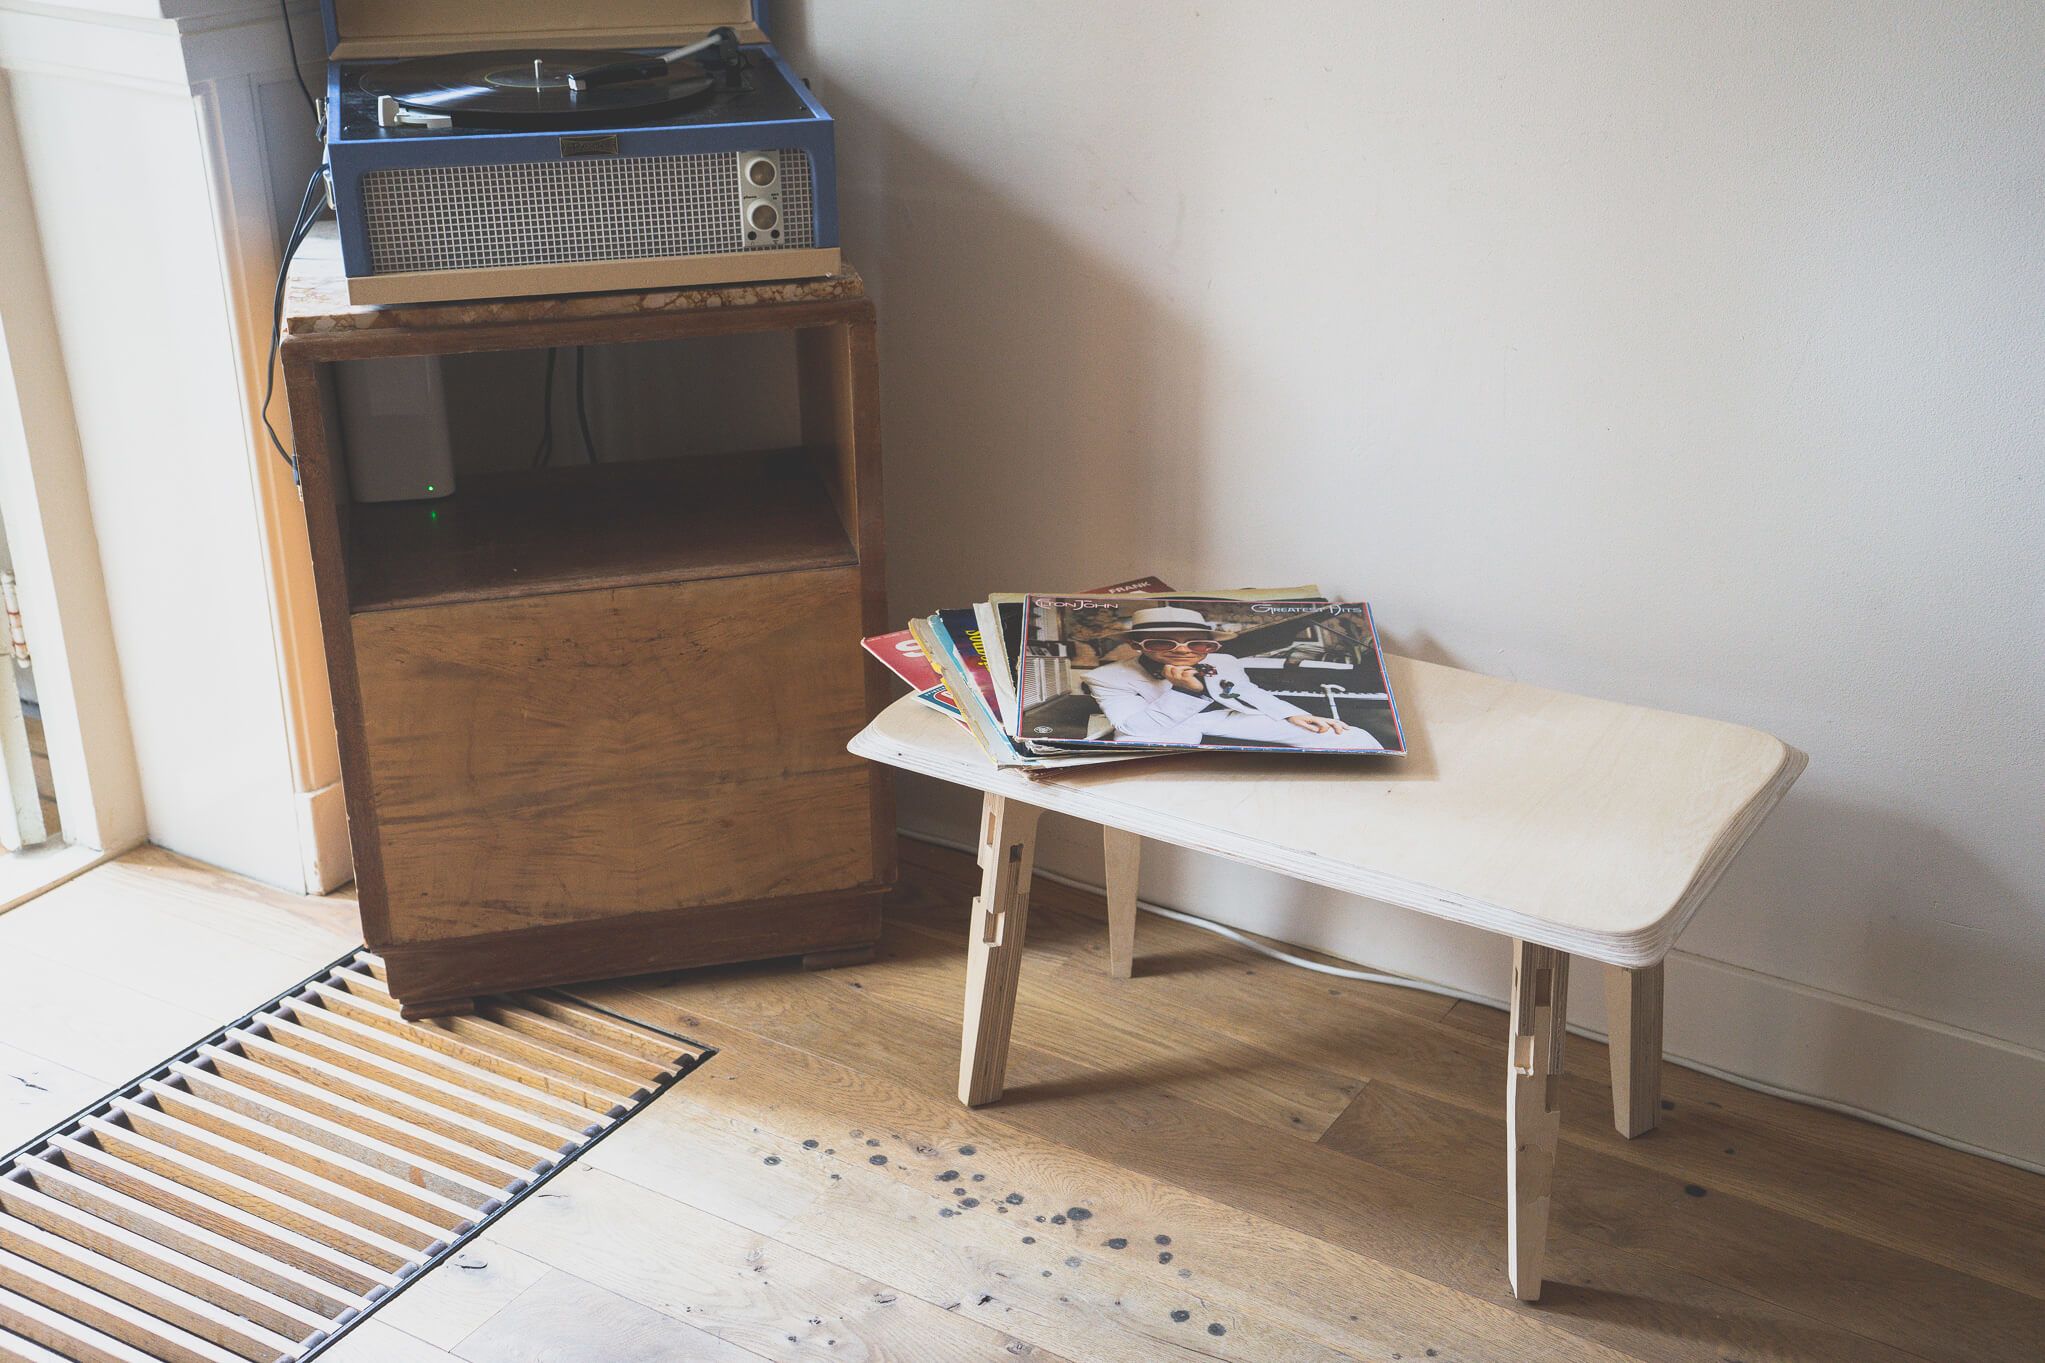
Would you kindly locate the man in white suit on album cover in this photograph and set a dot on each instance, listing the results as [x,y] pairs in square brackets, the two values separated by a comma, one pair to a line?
[1181,688]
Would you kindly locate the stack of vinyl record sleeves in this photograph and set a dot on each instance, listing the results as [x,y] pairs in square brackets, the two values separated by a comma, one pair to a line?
[1050,681]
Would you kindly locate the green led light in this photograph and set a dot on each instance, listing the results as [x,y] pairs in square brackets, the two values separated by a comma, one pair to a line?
[429,487]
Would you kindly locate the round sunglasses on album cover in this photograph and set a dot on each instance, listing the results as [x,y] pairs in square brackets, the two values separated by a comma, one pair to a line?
[1173,645]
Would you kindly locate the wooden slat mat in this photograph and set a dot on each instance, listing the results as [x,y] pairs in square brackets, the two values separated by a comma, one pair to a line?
[258,1193]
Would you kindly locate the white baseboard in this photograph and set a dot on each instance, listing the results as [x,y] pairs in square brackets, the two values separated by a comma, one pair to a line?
[325,856]
[1976,1091]
[1979,1092]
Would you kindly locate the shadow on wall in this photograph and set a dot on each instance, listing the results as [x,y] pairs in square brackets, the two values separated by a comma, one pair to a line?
[1040,430]
[1869,854]
[1043,412]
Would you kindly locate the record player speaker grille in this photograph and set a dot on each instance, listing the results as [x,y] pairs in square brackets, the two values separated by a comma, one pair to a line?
[593,208]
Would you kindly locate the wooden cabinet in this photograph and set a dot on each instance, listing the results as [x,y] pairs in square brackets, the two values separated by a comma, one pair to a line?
[593,719]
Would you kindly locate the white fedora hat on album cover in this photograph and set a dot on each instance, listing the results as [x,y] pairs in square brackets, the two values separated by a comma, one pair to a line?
[1167,620]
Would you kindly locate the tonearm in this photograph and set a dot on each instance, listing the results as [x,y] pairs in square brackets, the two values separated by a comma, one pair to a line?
[722,41]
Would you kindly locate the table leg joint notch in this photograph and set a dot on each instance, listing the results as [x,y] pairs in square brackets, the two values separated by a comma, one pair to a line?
[994,948]
[1533,1107]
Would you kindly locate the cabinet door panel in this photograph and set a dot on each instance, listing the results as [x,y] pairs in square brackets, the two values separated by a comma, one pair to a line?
[570,757]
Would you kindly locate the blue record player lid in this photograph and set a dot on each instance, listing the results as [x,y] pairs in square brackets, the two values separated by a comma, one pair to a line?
[408,28]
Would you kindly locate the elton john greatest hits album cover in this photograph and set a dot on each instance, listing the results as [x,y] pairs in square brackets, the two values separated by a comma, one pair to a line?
[1206,672]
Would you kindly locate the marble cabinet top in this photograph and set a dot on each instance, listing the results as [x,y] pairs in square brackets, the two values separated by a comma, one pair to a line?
[316,298]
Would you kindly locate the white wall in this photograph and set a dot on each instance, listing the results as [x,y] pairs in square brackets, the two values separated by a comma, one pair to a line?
[1683,354]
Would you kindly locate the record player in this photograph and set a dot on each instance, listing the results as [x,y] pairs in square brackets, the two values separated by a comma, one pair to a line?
[494,148]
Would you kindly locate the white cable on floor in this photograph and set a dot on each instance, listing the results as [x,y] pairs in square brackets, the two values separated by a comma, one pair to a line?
[1320,967]
[1464,996]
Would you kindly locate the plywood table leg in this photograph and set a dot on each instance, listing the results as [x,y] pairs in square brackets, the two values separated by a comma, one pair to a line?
[1533,1107]
[1124,852]
[1633,1015]
[994,944]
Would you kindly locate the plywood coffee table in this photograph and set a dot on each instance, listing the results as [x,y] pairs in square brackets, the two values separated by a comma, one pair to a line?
[1575,827]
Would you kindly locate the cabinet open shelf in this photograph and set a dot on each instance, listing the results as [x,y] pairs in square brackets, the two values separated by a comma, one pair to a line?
[592,526]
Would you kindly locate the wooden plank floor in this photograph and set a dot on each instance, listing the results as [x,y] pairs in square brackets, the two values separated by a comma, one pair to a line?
[1221,1158]
[110,972]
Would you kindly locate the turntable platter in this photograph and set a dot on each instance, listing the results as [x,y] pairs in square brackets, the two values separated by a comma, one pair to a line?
[517,89]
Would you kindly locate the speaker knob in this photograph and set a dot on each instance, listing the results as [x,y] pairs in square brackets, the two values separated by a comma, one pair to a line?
[762,216]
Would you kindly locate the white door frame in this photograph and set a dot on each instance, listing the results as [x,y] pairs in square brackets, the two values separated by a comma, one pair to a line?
[226,62]
[56,553]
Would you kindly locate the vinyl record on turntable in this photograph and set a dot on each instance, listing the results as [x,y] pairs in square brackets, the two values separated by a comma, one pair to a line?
[515,89]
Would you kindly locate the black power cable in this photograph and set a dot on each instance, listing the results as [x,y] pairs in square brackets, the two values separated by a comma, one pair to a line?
[319,113]
[319,117]
[543,453]
[308,213]
[582,407]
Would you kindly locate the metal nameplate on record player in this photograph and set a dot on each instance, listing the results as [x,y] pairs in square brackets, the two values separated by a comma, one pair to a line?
[641,158]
